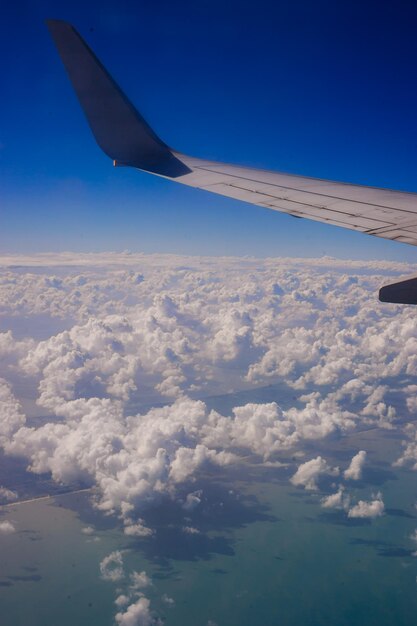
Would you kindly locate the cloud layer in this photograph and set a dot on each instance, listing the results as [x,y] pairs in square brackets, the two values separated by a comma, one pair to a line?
[118,352]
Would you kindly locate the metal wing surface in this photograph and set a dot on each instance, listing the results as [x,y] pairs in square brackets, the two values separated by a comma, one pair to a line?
[379,212]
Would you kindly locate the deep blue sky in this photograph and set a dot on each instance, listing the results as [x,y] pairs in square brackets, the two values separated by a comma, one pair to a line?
[325,88]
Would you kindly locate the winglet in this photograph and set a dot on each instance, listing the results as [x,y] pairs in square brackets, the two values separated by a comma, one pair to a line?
[119,129]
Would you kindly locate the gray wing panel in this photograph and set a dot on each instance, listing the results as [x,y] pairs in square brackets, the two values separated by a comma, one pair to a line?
[379,212]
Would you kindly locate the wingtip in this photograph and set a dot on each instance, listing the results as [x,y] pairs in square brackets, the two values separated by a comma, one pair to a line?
[52,22]
[108,110]
[53,25]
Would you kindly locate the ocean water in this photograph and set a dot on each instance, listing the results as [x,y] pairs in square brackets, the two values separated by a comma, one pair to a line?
[267,553]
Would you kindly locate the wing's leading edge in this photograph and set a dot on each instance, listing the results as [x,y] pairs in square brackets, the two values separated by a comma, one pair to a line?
[123,135]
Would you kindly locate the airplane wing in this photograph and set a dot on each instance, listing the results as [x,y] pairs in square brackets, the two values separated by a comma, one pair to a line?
[124,136]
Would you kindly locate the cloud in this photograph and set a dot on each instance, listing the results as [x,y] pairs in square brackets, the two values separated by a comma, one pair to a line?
[409,455]
[338,500]
[354,471]
[7,495]
[137,529]
[11,415]
[122,600]
[138,611]
[137,614]
[309,473]
[111,567]
[116,351]
[142,326]
[368,509]
[190,530]
[7,528]
[168,600]
[133,331]
[139,580]
[192,500]
[132,458]
[88,530]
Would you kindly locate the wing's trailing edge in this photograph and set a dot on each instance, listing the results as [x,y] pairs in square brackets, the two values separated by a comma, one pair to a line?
[125,137]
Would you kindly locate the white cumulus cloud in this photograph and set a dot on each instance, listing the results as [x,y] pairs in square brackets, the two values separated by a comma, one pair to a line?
[190,530]
[192,500]
[139,580]
[137,614]
[354,471]
[309,473]
[7,495]
[338,500]
[7,528]
[111,567]
[368,509]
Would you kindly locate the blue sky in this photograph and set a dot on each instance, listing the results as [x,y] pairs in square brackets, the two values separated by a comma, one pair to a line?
[324,89]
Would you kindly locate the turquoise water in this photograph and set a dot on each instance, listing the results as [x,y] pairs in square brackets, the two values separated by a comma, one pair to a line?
[267,553]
